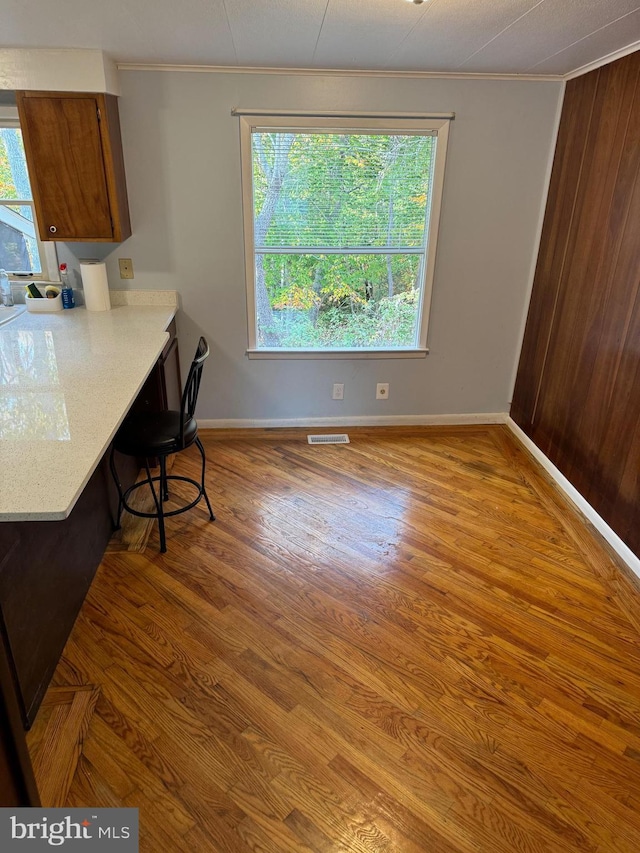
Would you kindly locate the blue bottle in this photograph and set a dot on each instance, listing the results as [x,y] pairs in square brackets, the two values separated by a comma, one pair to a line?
[68,300]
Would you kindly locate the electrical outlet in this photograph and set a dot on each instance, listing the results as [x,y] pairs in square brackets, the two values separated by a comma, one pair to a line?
[338,391]
[382,390]
[126,267]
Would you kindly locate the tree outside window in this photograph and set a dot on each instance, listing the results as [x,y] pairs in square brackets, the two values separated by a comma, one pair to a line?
[18,241]
[340,228]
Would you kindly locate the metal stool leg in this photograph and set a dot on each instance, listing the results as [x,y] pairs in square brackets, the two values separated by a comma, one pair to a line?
[159,508]
[164,483]
[116,480]
[160,495]
[204,491]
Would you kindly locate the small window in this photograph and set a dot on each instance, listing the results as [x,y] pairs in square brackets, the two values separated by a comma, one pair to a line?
[21,252]
[341,220]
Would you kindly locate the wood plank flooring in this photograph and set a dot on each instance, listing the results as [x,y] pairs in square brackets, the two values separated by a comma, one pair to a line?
[55,741]
[410,643]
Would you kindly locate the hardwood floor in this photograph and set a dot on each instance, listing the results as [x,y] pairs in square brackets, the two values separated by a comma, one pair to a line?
[55,741]
[409,643]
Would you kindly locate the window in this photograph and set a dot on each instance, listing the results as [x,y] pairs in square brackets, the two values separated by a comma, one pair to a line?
[341,219]
[21,252]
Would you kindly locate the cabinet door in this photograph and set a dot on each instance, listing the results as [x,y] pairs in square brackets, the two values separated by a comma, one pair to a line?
[17,783]
[171,380]
[163,388]
[74,156]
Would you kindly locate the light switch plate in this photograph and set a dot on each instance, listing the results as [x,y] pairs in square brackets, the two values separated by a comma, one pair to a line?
[126,267]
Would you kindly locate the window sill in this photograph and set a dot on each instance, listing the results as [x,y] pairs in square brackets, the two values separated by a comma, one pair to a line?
[24,280]
[336,353]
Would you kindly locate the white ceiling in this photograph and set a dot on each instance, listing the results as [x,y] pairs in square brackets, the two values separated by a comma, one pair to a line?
[488,36]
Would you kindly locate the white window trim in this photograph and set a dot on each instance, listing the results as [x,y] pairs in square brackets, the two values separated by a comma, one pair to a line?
[301,123]
[47,251]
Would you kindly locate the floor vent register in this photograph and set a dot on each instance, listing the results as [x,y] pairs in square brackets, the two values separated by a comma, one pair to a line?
[341,438]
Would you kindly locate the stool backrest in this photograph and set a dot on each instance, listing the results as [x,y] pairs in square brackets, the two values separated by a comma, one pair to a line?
[192,386]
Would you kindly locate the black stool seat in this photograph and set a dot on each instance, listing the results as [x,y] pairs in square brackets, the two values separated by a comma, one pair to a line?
[151,434]
[159,434]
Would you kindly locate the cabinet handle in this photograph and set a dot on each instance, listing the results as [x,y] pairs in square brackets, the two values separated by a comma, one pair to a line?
[53,229]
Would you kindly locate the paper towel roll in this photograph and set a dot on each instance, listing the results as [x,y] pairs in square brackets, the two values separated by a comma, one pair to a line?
[95,285]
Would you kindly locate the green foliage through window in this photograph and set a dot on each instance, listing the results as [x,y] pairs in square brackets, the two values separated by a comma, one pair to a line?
[18,242]
[340,228]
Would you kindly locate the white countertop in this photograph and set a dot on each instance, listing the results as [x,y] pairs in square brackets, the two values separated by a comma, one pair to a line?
[66,382]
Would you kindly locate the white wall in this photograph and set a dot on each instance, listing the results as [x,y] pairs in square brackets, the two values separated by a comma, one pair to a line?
[181,150]
[57,70]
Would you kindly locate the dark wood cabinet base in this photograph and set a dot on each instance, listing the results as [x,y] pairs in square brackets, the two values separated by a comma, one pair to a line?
[45,573]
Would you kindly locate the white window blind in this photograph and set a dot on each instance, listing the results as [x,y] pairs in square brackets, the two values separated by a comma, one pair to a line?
[361,192]
[341,220]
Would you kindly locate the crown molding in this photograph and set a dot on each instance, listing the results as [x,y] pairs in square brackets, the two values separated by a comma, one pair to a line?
[605,60]
[335,72]
[353,72]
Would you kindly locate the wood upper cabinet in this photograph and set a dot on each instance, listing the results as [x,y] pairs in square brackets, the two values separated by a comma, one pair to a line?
[76,168]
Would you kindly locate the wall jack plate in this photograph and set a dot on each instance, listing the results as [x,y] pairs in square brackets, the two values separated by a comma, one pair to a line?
[126,267]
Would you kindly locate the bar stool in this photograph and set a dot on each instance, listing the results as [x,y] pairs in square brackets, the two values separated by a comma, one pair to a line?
[161,434]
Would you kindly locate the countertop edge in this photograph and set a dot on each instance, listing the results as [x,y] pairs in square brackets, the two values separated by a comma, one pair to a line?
[61,513]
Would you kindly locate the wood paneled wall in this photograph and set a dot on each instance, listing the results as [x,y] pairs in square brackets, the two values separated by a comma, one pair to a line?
[577,392]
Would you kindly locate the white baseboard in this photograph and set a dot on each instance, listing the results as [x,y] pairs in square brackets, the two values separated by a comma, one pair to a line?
[374,420]
[622,550]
